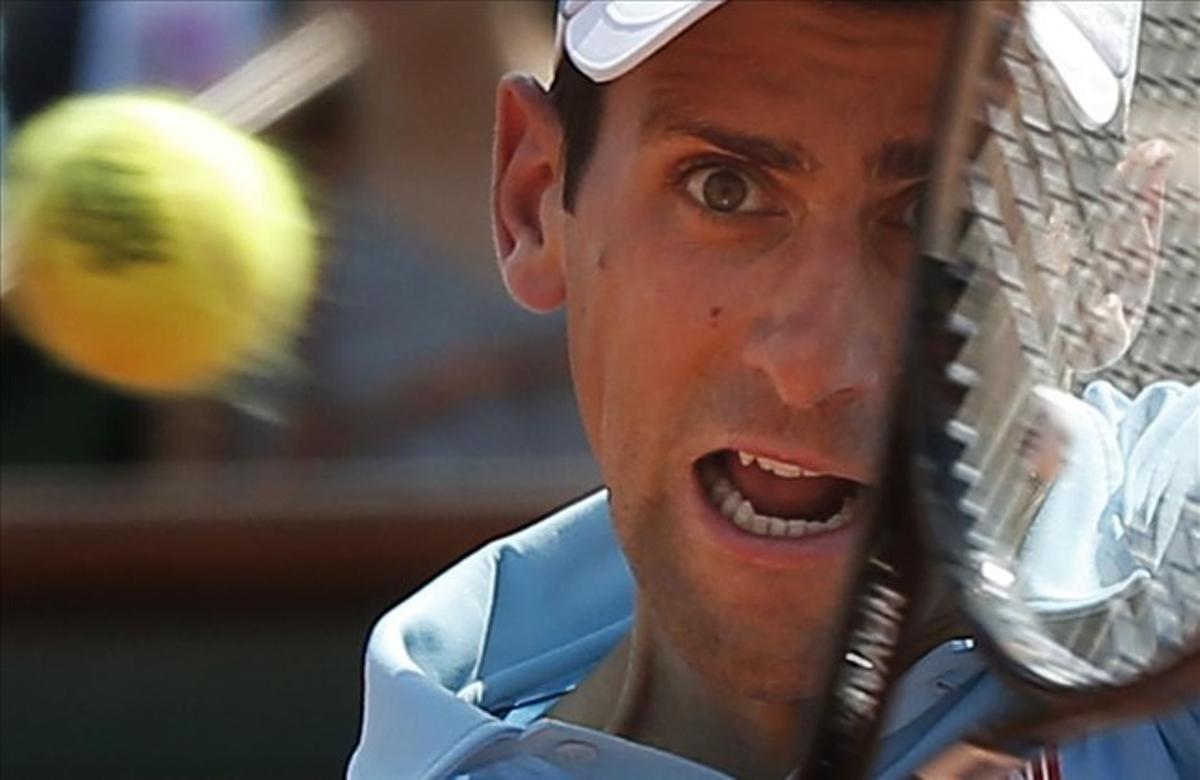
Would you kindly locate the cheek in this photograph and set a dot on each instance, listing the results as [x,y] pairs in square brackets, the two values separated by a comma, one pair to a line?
[642,325]
[888,287]
[895,250]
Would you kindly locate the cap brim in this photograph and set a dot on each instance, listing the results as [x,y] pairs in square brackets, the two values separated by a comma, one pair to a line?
[607,40]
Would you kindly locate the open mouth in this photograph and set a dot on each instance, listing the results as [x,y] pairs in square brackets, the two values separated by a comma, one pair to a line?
[767,497]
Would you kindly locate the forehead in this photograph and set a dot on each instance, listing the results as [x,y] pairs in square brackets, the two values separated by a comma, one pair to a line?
[865,68]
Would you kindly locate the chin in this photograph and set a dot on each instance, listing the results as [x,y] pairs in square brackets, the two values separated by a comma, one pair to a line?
[762,635]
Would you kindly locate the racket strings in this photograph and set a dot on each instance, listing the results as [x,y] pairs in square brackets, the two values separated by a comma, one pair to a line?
[1059,245]
[1168,96]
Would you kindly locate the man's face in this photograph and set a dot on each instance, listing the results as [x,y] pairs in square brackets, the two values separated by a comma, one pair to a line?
[735,274]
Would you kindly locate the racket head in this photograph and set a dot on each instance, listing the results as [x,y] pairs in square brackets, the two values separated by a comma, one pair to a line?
[1038,211]
[1029,207]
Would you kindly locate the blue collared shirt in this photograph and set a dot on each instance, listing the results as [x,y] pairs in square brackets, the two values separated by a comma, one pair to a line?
[459,677]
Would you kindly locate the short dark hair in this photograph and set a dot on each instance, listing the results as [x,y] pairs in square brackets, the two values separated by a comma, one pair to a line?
[579,102]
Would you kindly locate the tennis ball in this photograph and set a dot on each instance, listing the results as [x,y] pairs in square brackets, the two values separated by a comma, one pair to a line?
[149,245]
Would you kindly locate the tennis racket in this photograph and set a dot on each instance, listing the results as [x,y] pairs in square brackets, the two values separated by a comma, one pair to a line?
[1062,186]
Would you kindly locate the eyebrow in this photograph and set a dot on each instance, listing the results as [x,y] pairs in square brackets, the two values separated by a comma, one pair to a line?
[899,159]
[759,149]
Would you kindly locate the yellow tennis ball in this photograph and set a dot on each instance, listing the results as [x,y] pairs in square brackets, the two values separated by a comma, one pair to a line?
[150,245]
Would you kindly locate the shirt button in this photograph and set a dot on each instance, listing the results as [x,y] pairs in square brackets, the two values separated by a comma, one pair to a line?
[573,751]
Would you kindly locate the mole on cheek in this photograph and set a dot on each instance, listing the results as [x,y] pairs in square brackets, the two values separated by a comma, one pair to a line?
[714,314]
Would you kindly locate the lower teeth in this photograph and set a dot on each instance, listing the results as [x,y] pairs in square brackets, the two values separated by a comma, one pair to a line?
[741,513]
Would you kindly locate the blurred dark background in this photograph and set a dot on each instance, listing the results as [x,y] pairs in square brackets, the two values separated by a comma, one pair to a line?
[186,585]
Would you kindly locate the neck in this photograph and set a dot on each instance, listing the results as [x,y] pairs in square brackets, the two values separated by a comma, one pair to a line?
[643,692]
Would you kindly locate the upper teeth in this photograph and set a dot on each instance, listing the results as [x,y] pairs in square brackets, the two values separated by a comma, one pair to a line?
[777,467]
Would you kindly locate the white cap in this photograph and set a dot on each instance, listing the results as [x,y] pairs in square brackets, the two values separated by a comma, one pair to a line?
[1093,49]
[606,39]
[1092,45]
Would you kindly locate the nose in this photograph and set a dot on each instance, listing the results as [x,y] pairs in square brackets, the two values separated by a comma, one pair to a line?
[828,322]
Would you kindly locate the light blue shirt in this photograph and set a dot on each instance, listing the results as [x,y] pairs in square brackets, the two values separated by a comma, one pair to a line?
[460,676]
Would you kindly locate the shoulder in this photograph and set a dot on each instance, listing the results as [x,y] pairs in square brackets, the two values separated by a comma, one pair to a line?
[464,620]
[521,616]
[1157,434]
[1156,406]
[1167,746]
[967,695]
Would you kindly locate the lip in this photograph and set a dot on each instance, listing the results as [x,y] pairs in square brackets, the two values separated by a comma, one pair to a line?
[779,552]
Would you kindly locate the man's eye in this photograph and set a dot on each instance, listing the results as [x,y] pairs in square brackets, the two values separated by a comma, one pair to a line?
[911,214]
[906,212]
[725,190]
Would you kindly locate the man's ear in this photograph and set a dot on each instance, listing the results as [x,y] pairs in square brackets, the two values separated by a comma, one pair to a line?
[527,213]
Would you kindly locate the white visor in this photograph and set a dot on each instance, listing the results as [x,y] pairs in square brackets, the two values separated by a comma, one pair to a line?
[1092,45]
[608,38]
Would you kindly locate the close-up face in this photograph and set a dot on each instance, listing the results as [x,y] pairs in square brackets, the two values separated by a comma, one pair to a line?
[735,270]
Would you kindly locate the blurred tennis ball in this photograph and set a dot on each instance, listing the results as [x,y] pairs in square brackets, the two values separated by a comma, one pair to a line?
[150,245]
